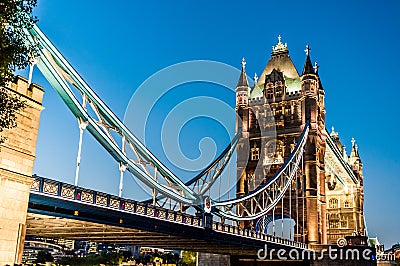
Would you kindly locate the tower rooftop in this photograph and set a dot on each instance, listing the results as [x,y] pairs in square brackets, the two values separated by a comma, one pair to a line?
[280,60]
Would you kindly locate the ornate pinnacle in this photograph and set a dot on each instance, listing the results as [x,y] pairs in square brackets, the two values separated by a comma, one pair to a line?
[316,66]
[352,142]
[280,46]
[255,78]
[307,50]
[243,63]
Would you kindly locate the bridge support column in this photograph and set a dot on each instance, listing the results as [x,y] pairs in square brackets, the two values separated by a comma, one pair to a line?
[14,199]
[17,156]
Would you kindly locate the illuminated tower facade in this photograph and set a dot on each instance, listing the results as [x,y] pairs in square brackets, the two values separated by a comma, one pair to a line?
[285,100]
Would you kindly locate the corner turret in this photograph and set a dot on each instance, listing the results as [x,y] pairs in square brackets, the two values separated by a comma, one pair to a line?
[242,88]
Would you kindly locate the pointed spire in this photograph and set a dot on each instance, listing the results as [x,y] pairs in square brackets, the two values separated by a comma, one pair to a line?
[243,77]
[308,66]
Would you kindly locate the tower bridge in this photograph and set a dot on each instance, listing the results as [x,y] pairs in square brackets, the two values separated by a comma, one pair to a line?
[301,173]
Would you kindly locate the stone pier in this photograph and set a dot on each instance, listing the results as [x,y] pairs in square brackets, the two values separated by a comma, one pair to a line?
[17,156]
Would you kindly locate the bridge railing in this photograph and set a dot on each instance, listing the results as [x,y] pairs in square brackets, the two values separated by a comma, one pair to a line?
[69,192]
[65,191]
[234,230]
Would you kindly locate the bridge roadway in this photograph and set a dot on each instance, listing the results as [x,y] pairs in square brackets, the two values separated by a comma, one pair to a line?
[59,210]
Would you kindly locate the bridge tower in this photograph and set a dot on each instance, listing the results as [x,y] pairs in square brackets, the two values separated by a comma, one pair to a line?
[291,99]
[17,156]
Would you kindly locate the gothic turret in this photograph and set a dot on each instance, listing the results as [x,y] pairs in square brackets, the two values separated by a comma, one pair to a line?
[308,67]
[242,88]
[309,88]
[309,80]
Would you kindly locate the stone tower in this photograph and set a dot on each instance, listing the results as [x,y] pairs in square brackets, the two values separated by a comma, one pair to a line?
[285,100]
[17,156]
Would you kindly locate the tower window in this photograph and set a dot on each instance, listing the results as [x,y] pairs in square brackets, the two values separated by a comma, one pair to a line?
[270,93]
[333,203]
[347,204]
[334,224]
[279,91]
[255,154]
[240,100]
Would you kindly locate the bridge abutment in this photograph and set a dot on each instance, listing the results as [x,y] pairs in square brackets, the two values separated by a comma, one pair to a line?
[17,156]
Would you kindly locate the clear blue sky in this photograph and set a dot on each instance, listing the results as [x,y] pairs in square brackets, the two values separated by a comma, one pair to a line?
[116,45]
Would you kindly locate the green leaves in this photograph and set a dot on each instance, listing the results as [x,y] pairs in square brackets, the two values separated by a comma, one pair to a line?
[10,104]
[14,54]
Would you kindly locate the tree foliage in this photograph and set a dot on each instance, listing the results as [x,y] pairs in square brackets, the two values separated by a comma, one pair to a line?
[10,104]
[14,55]
[189,258]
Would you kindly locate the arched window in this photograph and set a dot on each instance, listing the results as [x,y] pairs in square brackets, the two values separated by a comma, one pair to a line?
[255,154]
[239,100]
[343,224]
[279,91]
[333,203]
[270,93]
[334,224]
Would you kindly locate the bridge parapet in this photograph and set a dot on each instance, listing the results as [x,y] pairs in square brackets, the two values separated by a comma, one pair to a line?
[49,188]
[69,192]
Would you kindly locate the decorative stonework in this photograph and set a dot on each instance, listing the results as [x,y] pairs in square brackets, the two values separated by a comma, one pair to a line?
[280,47]
[292,100]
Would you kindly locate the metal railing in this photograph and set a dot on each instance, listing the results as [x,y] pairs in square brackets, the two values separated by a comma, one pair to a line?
[53,188]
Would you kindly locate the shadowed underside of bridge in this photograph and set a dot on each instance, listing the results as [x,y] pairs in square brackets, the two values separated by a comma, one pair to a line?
[55,227]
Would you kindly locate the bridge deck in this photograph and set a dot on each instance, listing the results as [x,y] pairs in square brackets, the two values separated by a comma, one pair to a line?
[56,227]
[59,210]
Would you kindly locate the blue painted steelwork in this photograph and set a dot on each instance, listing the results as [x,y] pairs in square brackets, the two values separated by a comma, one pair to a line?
[60,74]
